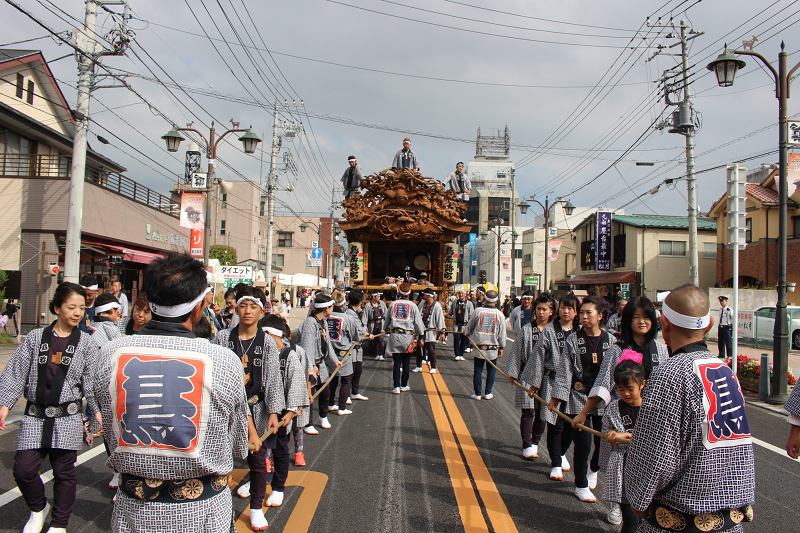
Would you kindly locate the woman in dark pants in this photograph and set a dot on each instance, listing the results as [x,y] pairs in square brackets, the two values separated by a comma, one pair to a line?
[53,370]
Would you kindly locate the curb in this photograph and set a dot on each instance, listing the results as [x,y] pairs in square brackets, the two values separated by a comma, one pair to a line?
[752,400]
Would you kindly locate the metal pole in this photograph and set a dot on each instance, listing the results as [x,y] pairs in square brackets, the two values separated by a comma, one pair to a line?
[498,256]
[273,163]
[41,283]
[72,254]
[328,274]
[780,342]
[690,178]
[546,241]
[513,234]
[212,160]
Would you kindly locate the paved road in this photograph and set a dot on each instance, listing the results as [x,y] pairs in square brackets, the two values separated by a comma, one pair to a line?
[429,460]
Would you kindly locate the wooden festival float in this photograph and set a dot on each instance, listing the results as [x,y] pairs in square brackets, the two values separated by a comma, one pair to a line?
[401,220]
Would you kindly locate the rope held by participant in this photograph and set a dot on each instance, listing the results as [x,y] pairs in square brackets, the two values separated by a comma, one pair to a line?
[521,386]
[286,421]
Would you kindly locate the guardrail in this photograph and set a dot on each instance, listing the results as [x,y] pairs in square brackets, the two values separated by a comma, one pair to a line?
[58,167]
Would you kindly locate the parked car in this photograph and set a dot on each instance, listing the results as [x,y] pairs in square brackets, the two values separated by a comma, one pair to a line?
[764,324]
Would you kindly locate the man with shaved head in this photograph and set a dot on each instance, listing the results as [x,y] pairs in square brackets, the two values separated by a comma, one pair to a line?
[690,462]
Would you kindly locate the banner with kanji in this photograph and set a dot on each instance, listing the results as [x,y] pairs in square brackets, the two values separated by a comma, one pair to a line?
[193,214]
[552,250]
[602,246]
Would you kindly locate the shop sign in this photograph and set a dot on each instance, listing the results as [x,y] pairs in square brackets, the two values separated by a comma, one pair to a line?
[625,291]
[745,323]
[603,242]
[531,281]
[196,249]
[233,275]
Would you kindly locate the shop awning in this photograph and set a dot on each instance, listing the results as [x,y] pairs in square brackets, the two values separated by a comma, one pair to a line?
[603,278]
[130,254]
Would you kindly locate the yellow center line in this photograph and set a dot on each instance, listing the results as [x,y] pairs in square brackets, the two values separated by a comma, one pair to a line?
[442,401]
[466,499]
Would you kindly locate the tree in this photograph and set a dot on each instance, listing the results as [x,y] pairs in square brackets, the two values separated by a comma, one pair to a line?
[225,254]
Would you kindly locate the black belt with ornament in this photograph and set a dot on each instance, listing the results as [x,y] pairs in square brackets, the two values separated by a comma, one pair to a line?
[159,490]
[399,330]
[53,411]
[666,518]
[488,347]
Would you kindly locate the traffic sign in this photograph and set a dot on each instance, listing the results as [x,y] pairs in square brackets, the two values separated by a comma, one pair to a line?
[624,291]
[316,257]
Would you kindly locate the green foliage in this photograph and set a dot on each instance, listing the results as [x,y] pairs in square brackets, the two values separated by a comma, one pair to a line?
[5,339]
[225,254]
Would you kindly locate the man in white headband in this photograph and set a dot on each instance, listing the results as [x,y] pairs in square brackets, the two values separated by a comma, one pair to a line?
[175,410]
[106,312]
[523,314]
[690,460]
[351,180]
[406,158]
[487,328]
[402,323]
[91,288]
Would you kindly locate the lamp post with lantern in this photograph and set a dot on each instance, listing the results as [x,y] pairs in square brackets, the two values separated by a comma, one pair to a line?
[568,210]
[249,140]
[725,67]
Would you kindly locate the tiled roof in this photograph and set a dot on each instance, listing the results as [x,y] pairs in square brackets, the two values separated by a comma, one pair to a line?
[7,54]
[662,221]
[765,195]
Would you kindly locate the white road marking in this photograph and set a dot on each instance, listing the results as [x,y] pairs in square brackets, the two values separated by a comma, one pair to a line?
[13,494]
[772,448]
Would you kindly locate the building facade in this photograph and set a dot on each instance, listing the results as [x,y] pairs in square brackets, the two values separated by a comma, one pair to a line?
[649,252]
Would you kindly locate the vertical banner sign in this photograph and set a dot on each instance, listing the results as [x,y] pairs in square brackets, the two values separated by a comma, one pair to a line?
[603,242]
[554,248]
[196,247]
[505,264]
[193,206]
[793,172]
[473,253]
[356,261]
[450,262]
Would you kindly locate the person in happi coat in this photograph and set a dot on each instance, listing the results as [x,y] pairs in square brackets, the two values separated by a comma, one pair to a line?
[375,312]
[343,331]
[356,301]
[461,311]
[406,158]
[540,373]
[460,183]
[531,424]
[351,180]
[619,419]
[433,318]
[613,324]
[106,313]
[523,314]
[175,411]
[293,380]
[580,363]
[638,330]
[53,369]
[690,463]
[404,328]
[487,328]
[91,289]
[258,354]
[313,337]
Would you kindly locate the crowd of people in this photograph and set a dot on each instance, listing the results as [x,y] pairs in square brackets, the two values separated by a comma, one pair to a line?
[181,388]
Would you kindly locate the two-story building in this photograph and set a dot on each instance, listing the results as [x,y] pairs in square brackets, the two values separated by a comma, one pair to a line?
[758,262]
[649,252]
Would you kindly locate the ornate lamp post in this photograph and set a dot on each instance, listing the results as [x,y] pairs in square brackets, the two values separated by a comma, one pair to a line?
[173,140]
[725,67]
[568,210]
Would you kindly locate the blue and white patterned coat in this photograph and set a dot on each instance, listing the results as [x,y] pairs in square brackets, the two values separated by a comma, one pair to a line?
[518,361]
[20,377]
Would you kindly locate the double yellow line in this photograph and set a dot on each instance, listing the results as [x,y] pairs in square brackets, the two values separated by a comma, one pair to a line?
[470,478]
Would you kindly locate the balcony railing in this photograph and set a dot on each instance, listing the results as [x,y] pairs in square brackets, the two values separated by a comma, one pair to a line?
[58,167]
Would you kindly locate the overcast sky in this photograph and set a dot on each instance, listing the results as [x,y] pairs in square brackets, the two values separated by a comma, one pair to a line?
[532,68]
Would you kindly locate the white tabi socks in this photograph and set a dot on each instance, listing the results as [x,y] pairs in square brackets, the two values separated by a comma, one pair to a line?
[257,520]
[36,520]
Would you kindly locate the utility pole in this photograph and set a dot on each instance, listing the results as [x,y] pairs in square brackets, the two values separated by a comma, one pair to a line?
[328,270]
[691,183]
[272,179]
[83,40]
[546,241]
[682,122]
[513,234]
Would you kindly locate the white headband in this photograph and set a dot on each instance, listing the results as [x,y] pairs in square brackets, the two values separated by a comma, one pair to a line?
[90,287]
[683,321]
[323,306]
[273,331]
[527,297]
[251,298]
[172,311]
[491,300]
[106,307]
[404,293]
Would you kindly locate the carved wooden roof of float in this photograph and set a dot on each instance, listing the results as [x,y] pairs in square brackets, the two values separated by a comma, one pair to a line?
[403,205]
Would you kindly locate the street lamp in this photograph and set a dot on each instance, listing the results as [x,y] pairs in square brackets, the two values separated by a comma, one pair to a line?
[499,232]
[303,227]
[725,67]
[173,140]
[568,210]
